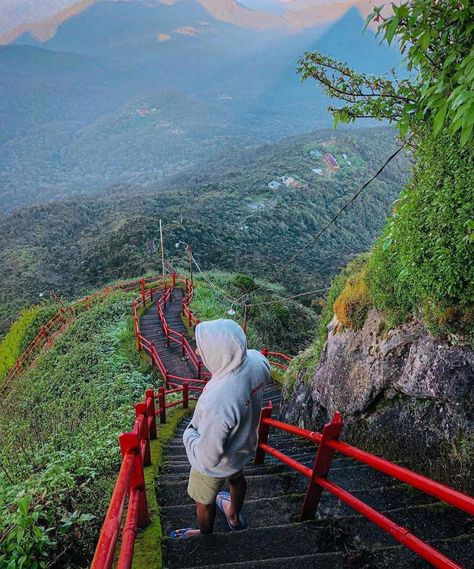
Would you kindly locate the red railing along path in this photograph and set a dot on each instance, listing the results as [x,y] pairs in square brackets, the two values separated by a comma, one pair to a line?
[329,444]
[65,315]
[135,449]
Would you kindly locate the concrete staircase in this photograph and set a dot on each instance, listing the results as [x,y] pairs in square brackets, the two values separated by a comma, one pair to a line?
[337,538]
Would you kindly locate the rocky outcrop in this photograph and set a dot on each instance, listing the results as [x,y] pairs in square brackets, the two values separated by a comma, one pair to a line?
[402,393]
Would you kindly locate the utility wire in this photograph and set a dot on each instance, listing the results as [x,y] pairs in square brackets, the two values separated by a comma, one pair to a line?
[215,287]
[288,298]
[332,220]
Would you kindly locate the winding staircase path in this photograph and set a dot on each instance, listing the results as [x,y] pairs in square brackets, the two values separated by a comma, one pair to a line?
[338,538]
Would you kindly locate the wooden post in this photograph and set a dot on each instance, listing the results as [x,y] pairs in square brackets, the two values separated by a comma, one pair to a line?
[321,467]
[162,249]
[162,404]
[129,442]
[150,401]
[264,352]
[186,395]
[246,315]
[263,429]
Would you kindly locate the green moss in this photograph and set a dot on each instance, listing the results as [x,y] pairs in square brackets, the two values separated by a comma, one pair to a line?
[148,546]
[422,265]
[306,361]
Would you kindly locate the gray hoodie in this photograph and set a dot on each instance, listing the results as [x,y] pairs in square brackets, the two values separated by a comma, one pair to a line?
[222,436]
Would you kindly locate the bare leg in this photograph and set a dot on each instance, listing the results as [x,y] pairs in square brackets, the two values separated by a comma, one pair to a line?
[238,489]
[206,514]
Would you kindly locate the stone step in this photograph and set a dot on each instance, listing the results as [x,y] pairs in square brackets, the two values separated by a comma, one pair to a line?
[255,544]
[173,492]
[263,512]
[181,470]
[314,561]
[428,522]
[396,557]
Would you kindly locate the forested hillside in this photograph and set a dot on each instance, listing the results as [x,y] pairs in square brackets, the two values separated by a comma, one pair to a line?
[225,210]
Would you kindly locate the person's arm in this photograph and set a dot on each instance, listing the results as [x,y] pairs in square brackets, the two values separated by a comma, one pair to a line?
[207,450]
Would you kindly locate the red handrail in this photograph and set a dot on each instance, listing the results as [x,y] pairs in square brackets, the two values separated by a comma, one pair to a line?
[130,482]
[328,445]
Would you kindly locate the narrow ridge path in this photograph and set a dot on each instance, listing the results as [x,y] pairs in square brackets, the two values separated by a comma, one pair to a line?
[337,539]
[151,329]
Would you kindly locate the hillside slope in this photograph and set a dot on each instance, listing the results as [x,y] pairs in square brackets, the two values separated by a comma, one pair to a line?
[225,210]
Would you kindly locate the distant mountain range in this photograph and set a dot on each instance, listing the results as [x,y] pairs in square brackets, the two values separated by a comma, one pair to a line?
[134,92]
[42,20]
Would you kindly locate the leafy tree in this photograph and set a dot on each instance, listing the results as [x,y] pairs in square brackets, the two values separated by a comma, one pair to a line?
[422,264]
[437,39]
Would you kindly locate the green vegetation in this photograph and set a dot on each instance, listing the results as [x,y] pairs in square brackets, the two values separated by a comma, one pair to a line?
[58,463]
[422,266]
[21,333]
[224,209]
[423,263]
[279,326]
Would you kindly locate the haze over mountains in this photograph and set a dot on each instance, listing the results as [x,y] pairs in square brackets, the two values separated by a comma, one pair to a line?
[135,92]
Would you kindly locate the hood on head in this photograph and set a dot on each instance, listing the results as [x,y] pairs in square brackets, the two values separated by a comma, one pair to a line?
[223,345]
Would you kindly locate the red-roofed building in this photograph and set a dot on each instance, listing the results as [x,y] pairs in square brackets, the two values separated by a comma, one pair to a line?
[331,161]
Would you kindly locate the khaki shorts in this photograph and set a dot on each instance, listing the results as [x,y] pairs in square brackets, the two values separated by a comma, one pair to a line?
[204,489]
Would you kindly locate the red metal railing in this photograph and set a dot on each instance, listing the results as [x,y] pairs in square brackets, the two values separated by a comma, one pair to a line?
[130,484]
[65,315]
[277,359]
[318,481]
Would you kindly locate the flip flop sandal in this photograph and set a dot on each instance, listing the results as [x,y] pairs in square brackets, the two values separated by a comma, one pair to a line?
[225,497]
[178,534]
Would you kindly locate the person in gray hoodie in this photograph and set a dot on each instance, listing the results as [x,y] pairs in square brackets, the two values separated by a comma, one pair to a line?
[223,434]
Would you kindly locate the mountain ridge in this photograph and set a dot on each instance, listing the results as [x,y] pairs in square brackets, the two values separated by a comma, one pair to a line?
[297,17]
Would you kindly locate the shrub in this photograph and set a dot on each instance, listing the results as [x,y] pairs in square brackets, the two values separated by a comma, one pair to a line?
[21,333]
[352,305]
[423,263]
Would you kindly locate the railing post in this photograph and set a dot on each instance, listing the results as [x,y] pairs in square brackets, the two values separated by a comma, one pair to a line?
[142,287]
[44,331]
[263,429]
[167,379]
[164,296]
[150,410]
[162,403]
[321,467]
[173,279]
[186,395]
[140,409]
[264,352]
[129,442]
